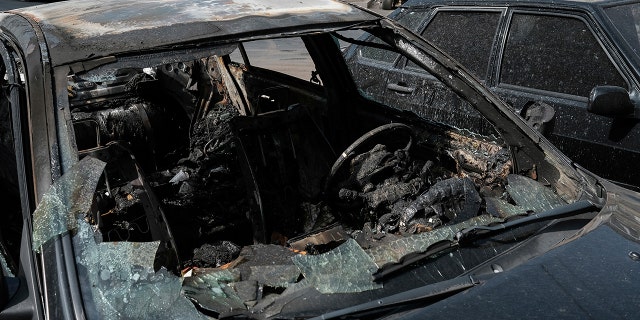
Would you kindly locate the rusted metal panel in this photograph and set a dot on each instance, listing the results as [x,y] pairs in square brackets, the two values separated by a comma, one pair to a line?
[237,98]
[77,30]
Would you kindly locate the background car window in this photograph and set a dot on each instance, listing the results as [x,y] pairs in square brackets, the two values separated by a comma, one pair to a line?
[410,20]
[466,36]
[626,18]
[557,54]
[419,92]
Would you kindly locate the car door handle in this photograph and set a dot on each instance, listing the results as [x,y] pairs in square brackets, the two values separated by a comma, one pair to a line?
[397,87]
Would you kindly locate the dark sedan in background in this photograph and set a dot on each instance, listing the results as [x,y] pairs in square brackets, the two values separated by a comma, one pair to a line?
[571,69]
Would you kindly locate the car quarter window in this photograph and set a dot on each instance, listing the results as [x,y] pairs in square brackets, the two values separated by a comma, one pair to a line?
[467,36]
[555,53]
[285,55]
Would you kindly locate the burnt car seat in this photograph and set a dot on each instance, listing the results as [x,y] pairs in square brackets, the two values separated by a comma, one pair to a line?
[285,157]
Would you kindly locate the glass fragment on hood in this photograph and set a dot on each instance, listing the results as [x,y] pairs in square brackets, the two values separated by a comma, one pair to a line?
[531,194]
[500,208]
[228,291]
[278,276]
[4,266]
[345,269]
[212,290]
[394,251]
[122,283]
[68,196]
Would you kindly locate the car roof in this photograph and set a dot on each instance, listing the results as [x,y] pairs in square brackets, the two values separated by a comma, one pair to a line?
[79,29]
[586,4]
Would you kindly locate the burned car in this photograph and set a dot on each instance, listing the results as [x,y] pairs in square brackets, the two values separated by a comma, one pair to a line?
[217,159]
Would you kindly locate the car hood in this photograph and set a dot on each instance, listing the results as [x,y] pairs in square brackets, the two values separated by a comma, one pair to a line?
[591,273]
[594,276]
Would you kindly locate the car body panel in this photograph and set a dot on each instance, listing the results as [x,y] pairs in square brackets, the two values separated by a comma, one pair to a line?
[596,279]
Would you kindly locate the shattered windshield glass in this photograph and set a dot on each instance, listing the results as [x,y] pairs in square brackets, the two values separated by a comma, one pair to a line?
[71,195]
[217,188]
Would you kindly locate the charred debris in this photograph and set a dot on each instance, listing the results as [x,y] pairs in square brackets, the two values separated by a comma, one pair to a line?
[253,192]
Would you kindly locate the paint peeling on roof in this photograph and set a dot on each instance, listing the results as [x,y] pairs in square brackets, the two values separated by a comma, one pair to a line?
[77,30]
[90,18]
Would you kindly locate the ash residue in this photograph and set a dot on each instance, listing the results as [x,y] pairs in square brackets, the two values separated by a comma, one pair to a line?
[214,255]
[211,136]
[207,200]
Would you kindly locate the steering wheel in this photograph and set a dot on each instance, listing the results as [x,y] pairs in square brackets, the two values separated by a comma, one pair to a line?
[394,135]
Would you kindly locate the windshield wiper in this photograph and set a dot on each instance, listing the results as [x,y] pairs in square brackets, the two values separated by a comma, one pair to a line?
[578,207]
[433,292]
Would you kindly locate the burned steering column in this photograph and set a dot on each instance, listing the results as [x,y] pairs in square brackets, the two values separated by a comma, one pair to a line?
[397,188]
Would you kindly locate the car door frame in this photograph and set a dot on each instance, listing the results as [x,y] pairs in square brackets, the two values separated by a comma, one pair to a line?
[27,301]
[53,285]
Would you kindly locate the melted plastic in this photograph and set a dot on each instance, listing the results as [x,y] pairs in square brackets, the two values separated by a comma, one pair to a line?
[528,194]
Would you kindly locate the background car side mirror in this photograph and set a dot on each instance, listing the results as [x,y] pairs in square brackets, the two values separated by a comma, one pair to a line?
[610,101]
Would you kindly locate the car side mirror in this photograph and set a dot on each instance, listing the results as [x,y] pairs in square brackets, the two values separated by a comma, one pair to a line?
[610,101]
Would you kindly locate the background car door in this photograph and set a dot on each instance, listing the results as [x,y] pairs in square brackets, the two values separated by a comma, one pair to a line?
[557,59]
[469,38]
[370,66]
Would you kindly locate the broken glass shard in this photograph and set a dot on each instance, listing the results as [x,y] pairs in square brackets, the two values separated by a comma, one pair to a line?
[500,208]
[275,275]
[394,251]
[532,195]
[119,282]
[68,196]
[345,269]
[4,266]
[212,290]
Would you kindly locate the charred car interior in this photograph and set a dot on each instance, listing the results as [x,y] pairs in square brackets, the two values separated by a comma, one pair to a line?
[259,186]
